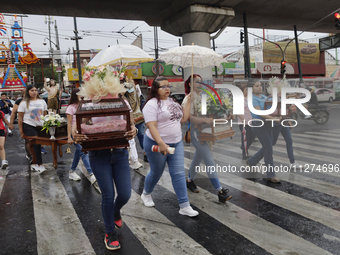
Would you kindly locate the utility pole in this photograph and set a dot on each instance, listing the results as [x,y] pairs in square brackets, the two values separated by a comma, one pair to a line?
[298,55]
[58,56]
[246,47]
[156,50]
[76,37]
[49,20]
[213,40]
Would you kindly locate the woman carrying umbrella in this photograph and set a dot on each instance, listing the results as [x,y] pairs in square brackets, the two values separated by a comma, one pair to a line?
[164,116]
[203,151]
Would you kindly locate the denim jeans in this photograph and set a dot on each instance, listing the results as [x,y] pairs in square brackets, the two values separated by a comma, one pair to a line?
[265,136]
[140,134]
[176,169]
[204,153]
[85,157]
[108,165]
[249,136]
[31,131]
[287,135]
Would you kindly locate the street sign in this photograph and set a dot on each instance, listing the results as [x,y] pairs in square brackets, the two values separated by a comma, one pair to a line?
[329,42]
[59,69]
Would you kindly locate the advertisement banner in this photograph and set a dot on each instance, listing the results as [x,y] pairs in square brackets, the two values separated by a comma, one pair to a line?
[134,73]
[309,53]
[73,74]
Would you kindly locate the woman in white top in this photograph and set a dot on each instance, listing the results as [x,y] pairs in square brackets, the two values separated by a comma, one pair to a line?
[29,112]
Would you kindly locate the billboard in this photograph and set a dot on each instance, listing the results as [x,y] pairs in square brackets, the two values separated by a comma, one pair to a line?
[309,53]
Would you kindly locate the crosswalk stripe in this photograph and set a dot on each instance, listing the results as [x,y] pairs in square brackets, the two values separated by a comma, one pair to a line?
[155,231]
[59,230]
[310,183]
[285,161]
[318,138]
[323,134]
[247,224]
[3,174]
[295,204]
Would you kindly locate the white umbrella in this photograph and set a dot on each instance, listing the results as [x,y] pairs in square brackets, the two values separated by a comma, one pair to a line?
[192,55]
[120,53]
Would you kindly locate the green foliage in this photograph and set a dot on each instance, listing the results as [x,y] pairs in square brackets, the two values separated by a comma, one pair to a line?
[218,110]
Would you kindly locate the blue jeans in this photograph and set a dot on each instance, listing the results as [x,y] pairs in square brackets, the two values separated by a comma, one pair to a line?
[203,152]
[108,165]
[176,169]
[265,136]
[250,137]
[85,157]
[287,135]
[140,134]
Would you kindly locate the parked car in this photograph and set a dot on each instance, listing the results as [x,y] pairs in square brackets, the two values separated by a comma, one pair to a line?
[179,97]
[63,105]
[324,95]
[309,49]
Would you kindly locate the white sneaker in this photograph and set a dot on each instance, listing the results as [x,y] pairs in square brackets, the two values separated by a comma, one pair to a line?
[74,176]
[34,167]
[261,162]
[296,165]
[188,211]
[4,164]
[147,199]
[92,179]
[41,169]
[136,165]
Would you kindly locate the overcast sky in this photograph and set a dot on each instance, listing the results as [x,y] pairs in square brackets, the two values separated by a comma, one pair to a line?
[97,34]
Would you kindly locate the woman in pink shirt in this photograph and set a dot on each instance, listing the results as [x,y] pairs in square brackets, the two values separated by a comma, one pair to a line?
[163,117]
[71,119]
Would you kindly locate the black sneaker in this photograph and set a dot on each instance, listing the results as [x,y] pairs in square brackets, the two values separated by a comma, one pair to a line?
[146,158]
[10,134]
[245,157]
[223,195]
[192,186]
[29,158]
[111,241]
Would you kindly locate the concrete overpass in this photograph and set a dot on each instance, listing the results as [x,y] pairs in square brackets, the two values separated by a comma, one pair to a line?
[195,20]
[274,14]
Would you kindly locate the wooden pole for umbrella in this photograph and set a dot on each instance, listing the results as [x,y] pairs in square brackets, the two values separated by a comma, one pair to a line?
[192,71]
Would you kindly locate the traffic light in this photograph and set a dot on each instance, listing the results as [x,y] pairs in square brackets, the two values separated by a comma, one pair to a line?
[337,20]
[241,37]
[283,66]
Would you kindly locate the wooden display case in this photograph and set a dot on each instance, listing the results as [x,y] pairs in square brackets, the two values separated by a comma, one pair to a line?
[216,133]
[109,134]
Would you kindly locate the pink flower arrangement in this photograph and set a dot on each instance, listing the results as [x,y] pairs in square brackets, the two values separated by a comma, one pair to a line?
[86,76]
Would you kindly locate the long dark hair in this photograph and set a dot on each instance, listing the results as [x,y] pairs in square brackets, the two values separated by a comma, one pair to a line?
[153,92]
[186,83]
[27,97]
[74,97]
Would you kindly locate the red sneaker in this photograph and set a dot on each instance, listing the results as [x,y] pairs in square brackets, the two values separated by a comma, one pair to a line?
[119,223]
[111,241]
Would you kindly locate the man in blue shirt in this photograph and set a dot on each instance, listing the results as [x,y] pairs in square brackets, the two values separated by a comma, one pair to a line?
[5,105]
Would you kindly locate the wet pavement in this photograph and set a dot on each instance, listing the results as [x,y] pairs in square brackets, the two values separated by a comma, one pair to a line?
[50,214]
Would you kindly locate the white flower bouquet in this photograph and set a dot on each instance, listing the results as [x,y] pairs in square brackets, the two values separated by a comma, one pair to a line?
[51,121]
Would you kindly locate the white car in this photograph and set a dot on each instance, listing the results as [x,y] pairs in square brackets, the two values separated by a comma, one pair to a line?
[324,95]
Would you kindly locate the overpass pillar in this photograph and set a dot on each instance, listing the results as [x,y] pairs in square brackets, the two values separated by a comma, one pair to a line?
[195,24]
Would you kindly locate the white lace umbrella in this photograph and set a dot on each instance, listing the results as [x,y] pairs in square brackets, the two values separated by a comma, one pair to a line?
[120,53]
[192,55]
